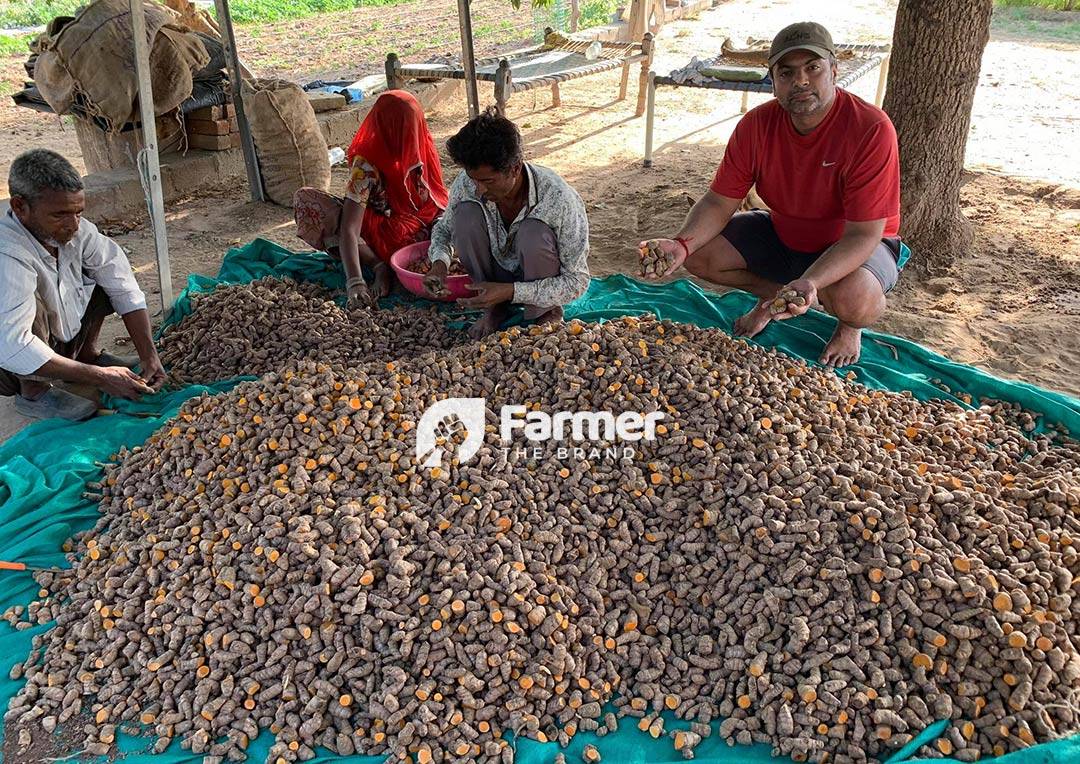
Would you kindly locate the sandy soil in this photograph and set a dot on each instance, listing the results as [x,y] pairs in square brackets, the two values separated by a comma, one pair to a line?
[1008,307]
[1028,98]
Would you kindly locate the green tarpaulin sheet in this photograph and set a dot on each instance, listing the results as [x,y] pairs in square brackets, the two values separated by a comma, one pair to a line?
[43,471]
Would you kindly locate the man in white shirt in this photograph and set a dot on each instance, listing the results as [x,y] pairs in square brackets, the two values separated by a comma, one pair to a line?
[59,278]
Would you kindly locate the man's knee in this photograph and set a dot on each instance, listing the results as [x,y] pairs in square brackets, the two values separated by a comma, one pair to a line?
[40,326]
[470,225]
[468,216]
[699,264]
[99,307]
[471,239]
[538,249]
[97,310]
[857,299]
[717,261]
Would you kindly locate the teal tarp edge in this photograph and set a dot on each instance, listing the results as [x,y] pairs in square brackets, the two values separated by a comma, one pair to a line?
[44,469]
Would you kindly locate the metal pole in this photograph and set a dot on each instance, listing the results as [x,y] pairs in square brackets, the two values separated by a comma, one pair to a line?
[467,59]
[148,162]
[650,109]
[236,78]
[883,79]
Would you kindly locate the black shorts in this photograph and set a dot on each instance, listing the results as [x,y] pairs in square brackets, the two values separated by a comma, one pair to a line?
[753,235]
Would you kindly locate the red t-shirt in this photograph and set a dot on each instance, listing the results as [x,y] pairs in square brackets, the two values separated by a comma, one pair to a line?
[848,168]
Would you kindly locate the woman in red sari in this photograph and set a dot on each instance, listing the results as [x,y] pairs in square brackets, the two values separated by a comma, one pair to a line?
[395,192]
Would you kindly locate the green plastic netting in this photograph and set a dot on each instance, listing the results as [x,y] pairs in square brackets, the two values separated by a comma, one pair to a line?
[43,471]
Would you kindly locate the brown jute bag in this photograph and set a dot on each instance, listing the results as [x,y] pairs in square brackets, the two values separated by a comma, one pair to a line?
[290,146]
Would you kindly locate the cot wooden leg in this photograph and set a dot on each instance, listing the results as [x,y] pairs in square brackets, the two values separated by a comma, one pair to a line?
[625,80]
[394,81]
[745,101]
[643,81]
[556,96]
[502,86]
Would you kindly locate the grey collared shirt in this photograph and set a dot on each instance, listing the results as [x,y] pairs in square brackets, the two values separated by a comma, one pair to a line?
[64,283]
[551,201]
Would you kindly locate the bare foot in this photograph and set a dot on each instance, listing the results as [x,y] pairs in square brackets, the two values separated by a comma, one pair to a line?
[88,354]
[844,348]
[753,322]
[553,316]
[489,322]
[384,280]
[32,390]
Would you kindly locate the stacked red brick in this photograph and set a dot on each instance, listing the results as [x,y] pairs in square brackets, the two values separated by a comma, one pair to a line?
[212,128]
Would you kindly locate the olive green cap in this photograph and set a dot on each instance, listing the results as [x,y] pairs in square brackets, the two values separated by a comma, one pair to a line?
[803,35]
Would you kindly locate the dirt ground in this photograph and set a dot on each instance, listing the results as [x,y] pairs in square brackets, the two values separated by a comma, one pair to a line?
[1009,306]
[1028,98]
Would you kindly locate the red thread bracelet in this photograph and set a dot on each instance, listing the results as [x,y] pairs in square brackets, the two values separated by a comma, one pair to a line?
[685,246]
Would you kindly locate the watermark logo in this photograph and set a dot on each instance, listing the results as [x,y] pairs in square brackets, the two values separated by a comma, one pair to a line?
[584,429]
[468,411]
[540,427]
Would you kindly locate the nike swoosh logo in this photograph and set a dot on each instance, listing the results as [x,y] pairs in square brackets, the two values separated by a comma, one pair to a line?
[827,164]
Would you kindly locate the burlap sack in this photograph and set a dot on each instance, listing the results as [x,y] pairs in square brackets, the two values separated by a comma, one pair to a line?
[91,59]
[291,149]
[177,54]
[54,83]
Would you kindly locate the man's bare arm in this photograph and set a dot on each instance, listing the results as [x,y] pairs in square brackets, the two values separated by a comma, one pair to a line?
[855,247]
[843,258]
[115,380]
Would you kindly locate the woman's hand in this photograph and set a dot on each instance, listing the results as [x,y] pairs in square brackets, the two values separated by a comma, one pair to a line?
[357,295]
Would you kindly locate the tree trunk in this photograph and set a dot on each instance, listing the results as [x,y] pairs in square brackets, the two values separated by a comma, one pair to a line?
[936,54]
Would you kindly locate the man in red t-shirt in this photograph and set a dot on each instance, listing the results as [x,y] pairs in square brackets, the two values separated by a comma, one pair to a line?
[826,164]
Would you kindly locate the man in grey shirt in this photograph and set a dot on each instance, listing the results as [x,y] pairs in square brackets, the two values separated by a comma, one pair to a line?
[59,279]
[519,229]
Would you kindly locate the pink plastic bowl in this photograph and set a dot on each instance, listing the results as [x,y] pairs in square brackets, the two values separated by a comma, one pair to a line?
[414,282]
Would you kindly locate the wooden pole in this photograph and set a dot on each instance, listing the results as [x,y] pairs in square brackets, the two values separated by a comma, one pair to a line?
[148,162]
[468,61]
[236,78]
[636,25]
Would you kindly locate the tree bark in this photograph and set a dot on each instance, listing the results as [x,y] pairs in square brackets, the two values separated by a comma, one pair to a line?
[936,55]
